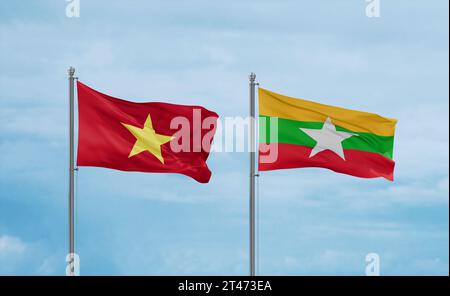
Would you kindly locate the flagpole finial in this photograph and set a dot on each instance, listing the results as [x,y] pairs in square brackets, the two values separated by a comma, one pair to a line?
[252,77]
[71,71]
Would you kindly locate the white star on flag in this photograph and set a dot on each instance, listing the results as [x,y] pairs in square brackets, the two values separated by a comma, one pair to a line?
[327,138]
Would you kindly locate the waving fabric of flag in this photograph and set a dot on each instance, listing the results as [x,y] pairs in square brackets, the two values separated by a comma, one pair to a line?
[310,134]
[143,137]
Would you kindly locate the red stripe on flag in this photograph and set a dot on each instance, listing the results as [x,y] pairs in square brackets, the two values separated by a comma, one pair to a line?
[357,163]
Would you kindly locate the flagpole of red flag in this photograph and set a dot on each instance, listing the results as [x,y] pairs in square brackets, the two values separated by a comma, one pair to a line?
[252,78]
[71,255]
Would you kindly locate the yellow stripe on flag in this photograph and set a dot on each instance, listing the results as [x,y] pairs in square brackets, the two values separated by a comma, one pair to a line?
[276,105]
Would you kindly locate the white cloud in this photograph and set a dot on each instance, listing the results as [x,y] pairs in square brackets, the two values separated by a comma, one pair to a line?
[184,258]
[42,123]
[18,257]
[11,245]
[50,265]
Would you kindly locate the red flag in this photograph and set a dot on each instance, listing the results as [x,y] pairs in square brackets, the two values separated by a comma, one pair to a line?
[143,137]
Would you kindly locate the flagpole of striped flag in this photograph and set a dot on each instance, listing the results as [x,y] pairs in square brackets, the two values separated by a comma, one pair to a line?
[252,78]
[71,259]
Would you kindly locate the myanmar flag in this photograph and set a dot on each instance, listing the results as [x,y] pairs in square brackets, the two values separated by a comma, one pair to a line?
[143,137]
[296,133]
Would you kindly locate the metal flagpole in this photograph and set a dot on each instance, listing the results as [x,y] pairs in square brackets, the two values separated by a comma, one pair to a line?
[252,78]
[71,72]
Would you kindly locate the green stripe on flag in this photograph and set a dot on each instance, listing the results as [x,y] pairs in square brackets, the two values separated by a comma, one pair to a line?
[289,133]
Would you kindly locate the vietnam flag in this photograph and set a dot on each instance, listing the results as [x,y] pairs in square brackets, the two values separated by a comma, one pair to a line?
[143,137]
[296,133]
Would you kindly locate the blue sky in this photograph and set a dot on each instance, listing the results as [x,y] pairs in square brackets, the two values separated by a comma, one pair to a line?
[312,221]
